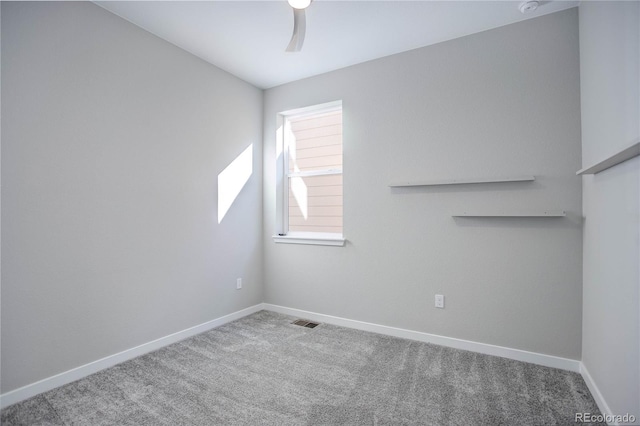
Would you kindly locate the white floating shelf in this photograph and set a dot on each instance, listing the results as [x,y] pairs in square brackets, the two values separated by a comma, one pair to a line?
[463,181]
[546,213]
[624,155]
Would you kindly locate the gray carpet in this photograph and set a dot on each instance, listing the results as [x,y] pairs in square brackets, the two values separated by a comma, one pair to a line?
[262,370]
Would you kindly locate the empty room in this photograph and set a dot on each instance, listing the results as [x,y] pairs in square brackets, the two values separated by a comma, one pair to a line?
[320,213]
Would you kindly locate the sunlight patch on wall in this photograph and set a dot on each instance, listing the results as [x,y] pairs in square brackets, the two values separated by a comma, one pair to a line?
[297,185]
[290,141]
[232,179]
[301,194]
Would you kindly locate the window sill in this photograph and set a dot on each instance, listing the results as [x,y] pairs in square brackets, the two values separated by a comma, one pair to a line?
[335,240]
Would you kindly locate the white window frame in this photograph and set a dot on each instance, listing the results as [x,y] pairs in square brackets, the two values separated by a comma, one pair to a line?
[282,182]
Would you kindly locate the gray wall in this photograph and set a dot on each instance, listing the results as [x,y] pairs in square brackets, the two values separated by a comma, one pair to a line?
[112,140]
[610,94]
[499,103]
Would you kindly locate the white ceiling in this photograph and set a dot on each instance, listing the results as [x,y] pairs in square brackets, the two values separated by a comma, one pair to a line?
[248,38]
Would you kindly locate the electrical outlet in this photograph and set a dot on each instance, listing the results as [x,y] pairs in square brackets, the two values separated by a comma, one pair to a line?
[238,283]
[439,301]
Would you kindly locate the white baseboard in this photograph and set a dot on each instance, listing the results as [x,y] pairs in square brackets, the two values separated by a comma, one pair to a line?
[516,354]
[595,392]
[77,373]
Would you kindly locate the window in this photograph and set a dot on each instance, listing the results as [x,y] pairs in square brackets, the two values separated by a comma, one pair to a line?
[310,175]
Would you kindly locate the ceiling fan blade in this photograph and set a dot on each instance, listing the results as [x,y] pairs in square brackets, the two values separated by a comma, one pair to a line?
[299,29]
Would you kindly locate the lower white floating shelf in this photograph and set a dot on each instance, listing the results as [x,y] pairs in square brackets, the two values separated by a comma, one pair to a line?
[547,213]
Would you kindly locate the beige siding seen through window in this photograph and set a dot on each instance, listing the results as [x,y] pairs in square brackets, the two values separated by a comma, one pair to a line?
[315,202]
